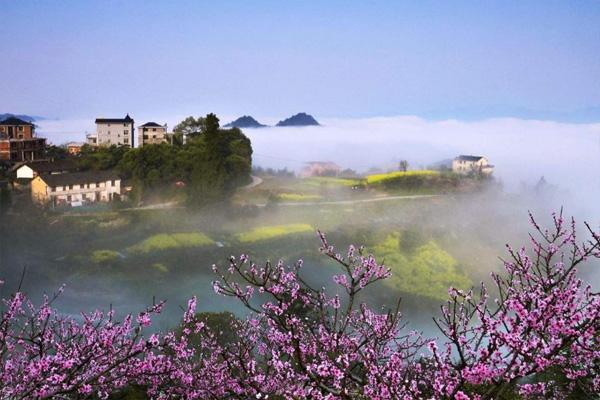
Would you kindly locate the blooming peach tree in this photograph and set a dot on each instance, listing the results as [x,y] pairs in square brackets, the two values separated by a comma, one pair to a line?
[303,342]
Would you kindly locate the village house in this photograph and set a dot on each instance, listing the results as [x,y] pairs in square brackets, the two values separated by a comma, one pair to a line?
[74,148]
[152,133]
[320,168]
[471,164]
[113,131]
[31,169]
[18,141]
[75,189]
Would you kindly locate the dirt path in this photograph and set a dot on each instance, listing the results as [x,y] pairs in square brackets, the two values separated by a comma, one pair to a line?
[255,182]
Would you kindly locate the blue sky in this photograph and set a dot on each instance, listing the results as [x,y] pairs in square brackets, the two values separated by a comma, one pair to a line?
[441,59]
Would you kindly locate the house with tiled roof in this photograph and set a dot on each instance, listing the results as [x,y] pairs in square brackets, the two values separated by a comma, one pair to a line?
[76,188]
[152,133]
[467,164]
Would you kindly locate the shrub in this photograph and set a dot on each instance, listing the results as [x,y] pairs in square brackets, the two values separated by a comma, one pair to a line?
[272,232]
[105,256]
[170,241]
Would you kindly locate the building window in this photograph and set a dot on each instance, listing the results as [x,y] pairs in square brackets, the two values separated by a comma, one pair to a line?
[70,187]
[126,140]
[112,183]
[53,189]
[125,131]
[20,129]
[153,129]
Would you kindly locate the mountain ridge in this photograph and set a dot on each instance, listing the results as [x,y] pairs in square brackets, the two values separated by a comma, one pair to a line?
[300,119]
[245,121]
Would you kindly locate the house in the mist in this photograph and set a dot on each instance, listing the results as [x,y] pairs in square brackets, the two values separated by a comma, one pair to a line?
[74,148]
[75,189]
[31,169]
[320,168]
[152,133]
[465,165]
[18,141]
[113,131]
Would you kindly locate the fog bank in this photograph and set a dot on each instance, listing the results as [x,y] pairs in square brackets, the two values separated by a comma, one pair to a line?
[567,155]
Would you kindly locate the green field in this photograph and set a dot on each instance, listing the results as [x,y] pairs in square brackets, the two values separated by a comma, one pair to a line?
[263,233]
[171,241]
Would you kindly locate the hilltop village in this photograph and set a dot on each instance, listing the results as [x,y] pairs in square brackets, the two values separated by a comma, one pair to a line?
[198,162]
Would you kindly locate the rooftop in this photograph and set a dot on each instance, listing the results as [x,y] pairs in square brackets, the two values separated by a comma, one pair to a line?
[151,125]
[15,121]
[127,119]
[469,158]
[75,178]
[42,167]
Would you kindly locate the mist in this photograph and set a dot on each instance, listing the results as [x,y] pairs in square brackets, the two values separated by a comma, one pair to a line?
[566,155]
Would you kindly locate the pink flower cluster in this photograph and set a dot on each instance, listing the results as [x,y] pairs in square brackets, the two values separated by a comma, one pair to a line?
[305,342]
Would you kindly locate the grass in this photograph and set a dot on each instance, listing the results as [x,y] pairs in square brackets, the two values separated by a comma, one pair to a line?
[162,268]
[298,197]
[399,176]
[423,268]
[271,232]
[104,256]
[170,241]
[327,180]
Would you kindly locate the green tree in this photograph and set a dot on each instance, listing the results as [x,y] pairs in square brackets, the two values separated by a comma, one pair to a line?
[403,165]
[56,152]
[101,158]
[188,128]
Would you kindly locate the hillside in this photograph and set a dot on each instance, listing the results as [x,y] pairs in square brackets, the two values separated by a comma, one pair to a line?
[300,119]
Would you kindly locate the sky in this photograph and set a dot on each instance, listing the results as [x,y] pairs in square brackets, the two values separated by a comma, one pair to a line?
[335,59]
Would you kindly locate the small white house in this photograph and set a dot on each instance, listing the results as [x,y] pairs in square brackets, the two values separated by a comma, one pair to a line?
[30,170]
[472,164]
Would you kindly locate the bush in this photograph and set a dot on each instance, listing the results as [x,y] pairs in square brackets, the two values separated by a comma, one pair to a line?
[272,232]
[105,256]
[166,241]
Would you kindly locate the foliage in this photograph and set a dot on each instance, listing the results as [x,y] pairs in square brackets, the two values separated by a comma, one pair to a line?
[304,342]
[271,232]
[56,152]
[424,269]
[160,267]
[403,165]
[189,127]
[211,165]
[171,241]
[399,176]
[104,256]
[327,180]
[100,158]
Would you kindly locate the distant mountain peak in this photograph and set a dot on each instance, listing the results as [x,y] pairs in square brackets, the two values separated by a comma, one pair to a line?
[300,119]
[245,121]
[27,118]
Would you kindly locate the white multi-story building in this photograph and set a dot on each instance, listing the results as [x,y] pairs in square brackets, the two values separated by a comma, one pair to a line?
[113,131]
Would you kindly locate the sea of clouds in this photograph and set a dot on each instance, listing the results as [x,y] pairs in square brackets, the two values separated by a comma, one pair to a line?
[522,151]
